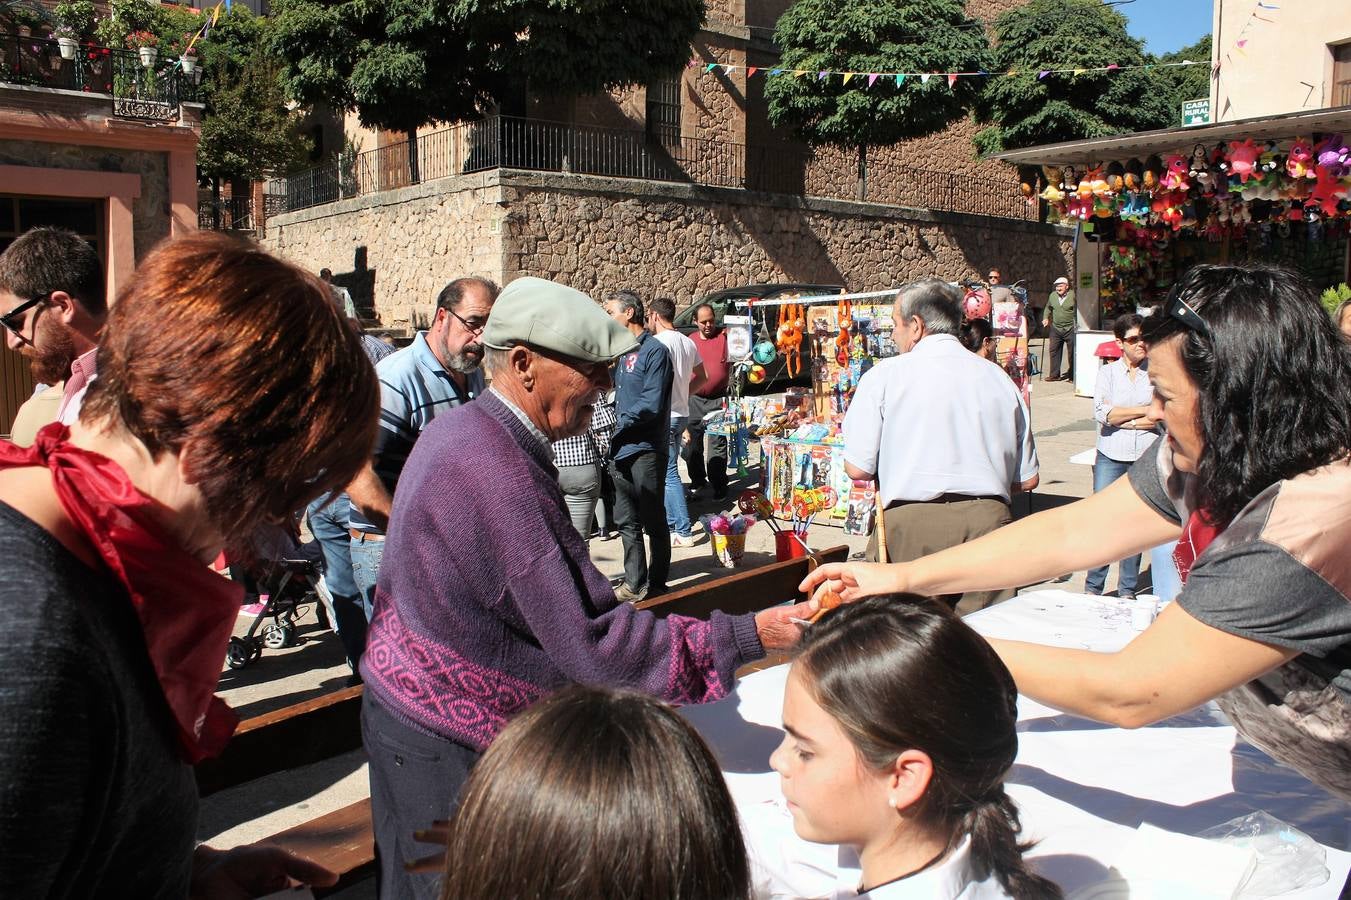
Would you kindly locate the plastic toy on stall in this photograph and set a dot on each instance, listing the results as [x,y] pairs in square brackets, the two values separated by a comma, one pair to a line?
[845,312]
[791,324]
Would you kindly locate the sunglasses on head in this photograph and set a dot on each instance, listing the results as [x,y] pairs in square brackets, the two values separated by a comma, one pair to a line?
[1180,309]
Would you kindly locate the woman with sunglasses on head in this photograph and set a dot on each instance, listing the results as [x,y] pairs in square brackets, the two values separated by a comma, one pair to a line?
[1254,480]
[914,786]
[230,392]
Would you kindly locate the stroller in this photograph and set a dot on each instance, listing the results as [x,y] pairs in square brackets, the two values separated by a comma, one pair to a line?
[291,575]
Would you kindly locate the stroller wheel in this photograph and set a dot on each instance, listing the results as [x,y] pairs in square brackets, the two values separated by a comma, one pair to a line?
[240,653]
[279,635]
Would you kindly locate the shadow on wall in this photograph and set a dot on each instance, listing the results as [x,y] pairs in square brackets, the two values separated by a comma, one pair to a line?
[1038,260]
[360,282]
[796,254]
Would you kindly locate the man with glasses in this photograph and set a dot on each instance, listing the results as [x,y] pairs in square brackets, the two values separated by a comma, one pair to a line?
[52,308]
[437,372]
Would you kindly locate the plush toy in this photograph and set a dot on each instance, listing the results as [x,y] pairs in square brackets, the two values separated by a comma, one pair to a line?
[1097,182]
[1299,163]
[1333,154]
[1027,183]
[1069,181]
[1153,173]
[1214,230]
[1052,176]
[1175,173]
[1116,177]
[1134,177]
[1239,215]
[1243,159]
[1326,191]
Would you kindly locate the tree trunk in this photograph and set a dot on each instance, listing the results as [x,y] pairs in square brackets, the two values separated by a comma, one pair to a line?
[414,173]
[862,171]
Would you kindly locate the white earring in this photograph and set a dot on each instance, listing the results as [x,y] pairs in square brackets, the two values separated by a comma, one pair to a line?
[891,801]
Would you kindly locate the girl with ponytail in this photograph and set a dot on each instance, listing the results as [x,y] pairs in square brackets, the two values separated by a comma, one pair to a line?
[900,731]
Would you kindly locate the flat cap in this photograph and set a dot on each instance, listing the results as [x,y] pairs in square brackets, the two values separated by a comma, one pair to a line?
[1061,280]
[555,317]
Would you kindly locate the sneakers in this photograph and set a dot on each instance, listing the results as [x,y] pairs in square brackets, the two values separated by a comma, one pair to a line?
[1126,595]
[254,609]
[626,594]
[682,540]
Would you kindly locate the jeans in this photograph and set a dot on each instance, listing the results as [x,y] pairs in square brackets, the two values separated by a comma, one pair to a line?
[1055,339]
[1105,471]
[581,488]
[715,471]
[329,526]
[640,507]
[1163,572]
[366,556]
[677,512]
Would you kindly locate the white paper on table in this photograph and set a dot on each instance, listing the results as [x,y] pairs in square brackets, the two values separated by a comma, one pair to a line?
[1159,864]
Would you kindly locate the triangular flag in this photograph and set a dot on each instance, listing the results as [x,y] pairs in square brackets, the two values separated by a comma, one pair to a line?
[872,79]
[692,63]
[751,70]
[952,79]
[798,73]
[1242,43]
[924,79]
[821,75]
[847,76]
[710,67]
[1268,5]
[727,67]
[1078,72]
[776,71]
[1113,67]
[900,79]
[1043,73]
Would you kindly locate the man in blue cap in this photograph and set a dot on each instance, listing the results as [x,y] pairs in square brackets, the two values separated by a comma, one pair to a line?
[488,599]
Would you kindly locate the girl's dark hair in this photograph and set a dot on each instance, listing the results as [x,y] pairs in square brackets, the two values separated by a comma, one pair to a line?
[975,333]
[904,673]
[594,794]
[1125,322]
[1271,372]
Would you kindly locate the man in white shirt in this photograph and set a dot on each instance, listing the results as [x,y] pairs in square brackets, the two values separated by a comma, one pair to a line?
[687,369]
[945,434]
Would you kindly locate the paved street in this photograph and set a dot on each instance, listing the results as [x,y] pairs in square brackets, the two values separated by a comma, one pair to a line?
[1063,425]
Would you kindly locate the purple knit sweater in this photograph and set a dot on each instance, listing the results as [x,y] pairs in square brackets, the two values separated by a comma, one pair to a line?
[488,600]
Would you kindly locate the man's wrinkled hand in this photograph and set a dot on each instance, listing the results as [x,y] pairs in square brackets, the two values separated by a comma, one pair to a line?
[252,871]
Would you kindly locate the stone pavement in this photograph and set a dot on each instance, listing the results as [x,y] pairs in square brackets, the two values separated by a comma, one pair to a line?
[1063,425]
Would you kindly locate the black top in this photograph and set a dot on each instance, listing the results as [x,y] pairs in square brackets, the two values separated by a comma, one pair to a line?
[95,800]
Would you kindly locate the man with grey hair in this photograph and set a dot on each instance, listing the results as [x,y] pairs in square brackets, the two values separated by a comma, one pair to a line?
[945,434]
[437,372]
[489,601]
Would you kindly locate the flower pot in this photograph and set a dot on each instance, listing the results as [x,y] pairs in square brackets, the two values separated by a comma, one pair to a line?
[189,63]
[68,47]
[148,55]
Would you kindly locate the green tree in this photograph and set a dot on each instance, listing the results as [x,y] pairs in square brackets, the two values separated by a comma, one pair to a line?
[1181,83]
[402,64]
[868,37]
[1028,109]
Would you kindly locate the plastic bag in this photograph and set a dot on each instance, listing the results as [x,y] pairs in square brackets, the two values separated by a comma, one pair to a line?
[1287,858]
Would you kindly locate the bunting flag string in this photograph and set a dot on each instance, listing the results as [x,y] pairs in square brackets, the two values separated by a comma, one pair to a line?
[952,77]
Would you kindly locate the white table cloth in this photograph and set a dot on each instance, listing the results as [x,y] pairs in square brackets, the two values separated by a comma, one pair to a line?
[1083,788]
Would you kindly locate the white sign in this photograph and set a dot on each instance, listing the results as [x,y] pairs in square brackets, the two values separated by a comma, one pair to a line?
[738,330]
[1196,112]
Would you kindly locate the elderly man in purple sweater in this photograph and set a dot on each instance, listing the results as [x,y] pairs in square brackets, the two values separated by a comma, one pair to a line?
[488,599]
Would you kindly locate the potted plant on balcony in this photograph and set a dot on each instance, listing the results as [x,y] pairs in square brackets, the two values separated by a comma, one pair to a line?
[146,44]
[67,40]
[187,60]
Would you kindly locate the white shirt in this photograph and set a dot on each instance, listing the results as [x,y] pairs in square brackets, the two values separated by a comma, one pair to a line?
[684,357]
[951,879]
[1115,388]
[939,420]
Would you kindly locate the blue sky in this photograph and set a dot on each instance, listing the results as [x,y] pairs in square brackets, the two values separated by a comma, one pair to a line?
[1168,25]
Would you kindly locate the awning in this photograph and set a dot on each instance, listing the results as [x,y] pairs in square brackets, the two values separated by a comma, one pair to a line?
[1181,140]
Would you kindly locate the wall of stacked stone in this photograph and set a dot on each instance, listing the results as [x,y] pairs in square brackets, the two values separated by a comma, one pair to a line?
[395,250]
[150,211]
[600,234]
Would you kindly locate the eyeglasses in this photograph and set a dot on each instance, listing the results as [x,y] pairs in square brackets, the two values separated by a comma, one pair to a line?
[468,326]
[1132,339]
[13,320]
[1181,310]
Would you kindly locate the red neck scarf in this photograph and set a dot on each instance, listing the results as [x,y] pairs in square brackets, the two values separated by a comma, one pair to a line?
[186,610]
[1197,534]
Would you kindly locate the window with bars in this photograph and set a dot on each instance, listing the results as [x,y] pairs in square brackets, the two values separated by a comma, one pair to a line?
[1341,75]
[663,110]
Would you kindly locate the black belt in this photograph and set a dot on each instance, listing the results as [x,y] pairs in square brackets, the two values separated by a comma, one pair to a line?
[949,498]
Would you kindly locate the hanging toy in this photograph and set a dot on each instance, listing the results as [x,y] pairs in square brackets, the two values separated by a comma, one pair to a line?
[1153,172]
[1175,174]
[845,315]
[1243,159]
[1300,161]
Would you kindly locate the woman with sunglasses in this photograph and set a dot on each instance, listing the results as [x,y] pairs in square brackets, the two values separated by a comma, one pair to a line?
[1254,479]
[1126,430]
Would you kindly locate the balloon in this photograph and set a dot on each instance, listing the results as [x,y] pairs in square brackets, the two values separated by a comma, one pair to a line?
[756,374]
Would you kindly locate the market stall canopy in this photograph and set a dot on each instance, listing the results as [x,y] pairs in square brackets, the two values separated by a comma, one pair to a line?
[1173,140]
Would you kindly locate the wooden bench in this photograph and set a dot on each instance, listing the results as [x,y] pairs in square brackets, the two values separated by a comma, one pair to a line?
[327,726]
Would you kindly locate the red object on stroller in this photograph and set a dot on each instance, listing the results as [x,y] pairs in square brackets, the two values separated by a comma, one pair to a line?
[290,575]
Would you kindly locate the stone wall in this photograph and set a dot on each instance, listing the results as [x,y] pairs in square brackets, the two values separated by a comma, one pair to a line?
[396,250]
[150,211]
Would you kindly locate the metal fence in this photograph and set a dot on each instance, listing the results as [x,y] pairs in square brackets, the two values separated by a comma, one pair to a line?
[138,91]
[512,143]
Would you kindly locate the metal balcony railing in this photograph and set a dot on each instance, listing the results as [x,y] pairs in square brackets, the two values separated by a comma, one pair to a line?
[507,142]
[138,91]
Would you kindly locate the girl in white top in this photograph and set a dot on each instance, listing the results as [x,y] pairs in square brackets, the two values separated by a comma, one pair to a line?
[899,724]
